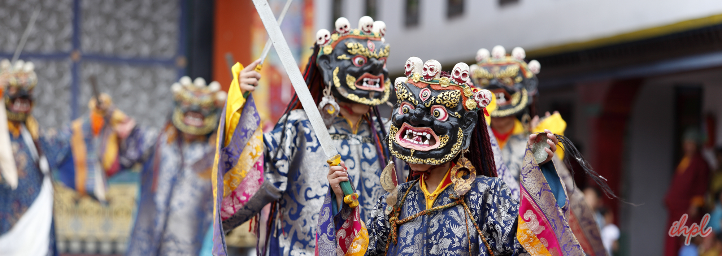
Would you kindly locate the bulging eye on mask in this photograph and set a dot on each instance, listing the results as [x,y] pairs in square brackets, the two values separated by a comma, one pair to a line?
[435,114]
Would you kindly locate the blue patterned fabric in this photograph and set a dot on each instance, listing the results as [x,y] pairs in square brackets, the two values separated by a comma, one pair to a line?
[449,231]
[295,176]
[174,209]
[13,203]
[513,153]
[502,170]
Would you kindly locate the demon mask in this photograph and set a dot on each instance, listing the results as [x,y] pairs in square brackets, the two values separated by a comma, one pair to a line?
[433,119]
[353,62]
[509,78]
[18,80]
[197,105]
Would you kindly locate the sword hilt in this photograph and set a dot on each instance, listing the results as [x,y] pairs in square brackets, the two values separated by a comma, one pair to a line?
[350,197]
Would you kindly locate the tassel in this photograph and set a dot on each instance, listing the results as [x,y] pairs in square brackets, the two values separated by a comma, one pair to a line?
[572,152]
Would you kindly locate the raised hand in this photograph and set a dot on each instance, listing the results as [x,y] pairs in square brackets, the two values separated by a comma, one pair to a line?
[248,79]
[551,140]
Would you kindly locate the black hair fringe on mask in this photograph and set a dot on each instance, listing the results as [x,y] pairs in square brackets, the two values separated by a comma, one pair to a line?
[481,154]
[571,152]
[309,76]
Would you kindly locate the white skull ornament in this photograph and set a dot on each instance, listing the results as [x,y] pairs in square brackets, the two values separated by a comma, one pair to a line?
[323,36]
[482,55]
[482,97]
[431,70]
[534,66]
[343,26]
[413,65]
[460,73]
[379,27]
[366,24]
[518,53]
[498,52]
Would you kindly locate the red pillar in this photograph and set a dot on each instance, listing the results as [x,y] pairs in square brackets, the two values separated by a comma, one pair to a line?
[232,35]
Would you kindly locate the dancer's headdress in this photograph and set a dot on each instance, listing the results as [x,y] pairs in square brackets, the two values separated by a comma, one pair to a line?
[18,81]
[510,78]
[197,105]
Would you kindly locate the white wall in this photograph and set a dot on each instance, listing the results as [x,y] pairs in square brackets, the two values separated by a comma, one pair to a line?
[530,24]
[648,172]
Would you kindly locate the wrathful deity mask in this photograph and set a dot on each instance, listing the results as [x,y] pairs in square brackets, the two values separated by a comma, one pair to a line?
[435,114]
[197,105]
[509,78]
[353,61]
[18,81]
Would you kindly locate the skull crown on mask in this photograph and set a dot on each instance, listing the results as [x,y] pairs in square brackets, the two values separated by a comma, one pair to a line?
[353,61]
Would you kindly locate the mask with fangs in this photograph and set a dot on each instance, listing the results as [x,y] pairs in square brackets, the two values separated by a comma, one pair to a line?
[353,63]
[433,120]
[197,105]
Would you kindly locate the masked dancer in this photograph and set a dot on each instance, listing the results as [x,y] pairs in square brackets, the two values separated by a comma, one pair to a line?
[452,203]
[347,76]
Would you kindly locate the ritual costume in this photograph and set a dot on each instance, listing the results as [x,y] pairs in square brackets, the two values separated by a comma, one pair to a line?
[286,166]
[75,153]
[437,120]
[514,85]
[174,210]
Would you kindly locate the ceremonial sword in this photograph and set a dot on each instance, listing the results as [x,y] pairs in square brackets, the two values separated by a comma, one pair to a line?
[299,84]
[267,47]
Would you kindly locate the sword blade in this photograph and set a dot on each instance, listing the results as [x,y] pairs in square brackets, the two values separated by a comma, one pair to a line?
[25,35]
[267,47]
[294,74]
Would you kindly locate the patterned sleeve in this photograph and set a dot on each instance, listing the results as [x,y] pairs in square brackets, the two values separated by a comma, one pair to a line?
[544,226]
[238,165]
[499,218]
[501,169]
[138,146]
[55,144]
[278,156]
[346,234]
[378,228]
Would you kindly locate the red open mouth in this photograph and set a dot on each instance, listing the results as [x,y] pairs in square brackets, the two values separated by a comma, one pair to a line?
[193,119]
[370,82]
[418,138]
[20,106]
